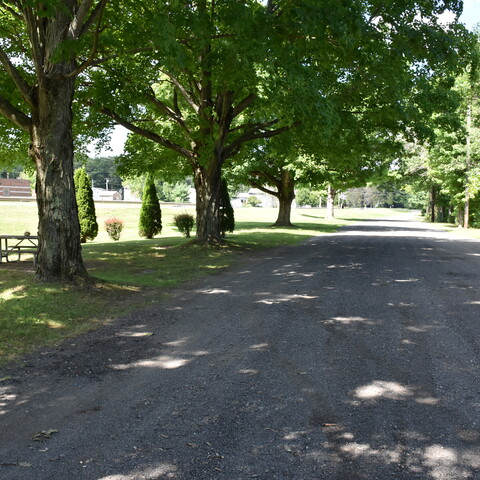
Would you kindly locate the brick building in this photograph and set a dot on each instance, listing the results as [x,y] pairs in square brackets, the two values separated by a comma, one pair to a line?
[14,187]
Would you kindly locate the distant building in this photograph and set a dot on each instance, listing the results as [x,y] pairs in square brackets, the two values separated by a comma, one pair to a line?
[15,188]
[106,195]
[129,196]
[267,201]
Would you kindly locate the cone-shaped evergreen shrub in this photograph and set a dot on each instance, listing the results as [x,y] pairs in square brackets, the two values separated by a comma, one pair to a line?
[225,212]
[150,215]
[85,205]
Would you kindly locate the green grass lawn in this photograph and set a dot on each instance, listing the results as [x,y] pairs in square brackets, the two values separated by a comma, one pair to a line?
[133,271]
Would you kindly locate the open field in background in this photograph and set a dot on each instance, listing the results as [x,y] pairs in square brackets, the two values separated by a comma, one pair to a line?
[132,272]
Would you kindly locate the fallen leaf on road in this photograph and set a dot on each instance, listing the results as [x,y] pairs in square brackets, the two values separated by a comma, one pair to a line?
[44,434]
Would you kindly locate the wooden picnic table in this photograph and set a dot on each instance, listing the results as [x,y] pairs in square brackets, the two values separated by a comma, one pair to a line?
[13,246]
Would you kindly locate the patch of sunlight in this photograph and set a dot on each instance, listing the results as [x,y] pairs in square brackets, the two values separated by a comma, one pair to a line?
[54,324]
[349,320]
[177,343]
[163,470]
[295,435]
[213,291]
[214,267]
[15,292]
[382,389]
[401,304]
[248,371]
[427,401]
[286,298]
[448,463]
[135,334]
[5,399]
[356,450]
[416,329]
[293,273]
[165,362]
[353,266]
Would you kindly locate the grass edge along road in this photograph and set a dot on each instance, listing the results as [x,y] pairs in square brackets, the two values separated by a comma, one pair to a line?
[132,272]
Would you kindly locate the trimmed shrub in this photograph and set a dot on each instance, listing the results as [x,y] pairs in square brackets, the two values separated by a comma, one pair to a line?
[184,222]
[225,212]
[85,205]
[114,227]
[150,215]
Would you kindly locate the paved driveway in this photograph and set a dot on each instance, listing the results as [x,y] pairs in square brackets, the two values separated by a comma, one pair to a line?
[353,356]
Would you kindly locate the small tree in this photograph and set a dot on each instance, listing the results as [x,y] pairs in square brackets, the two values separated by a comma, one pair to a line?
[85,205]
[225,211]
[150,214]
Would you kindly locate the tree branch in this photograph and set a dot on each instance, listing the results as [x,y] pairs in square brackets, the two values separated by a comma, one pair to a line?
[95,16]
[14,115]
[173,114]
[254,134]
[261,187]
[244,104]
[78,21]
[182,90]
[148,134]
[14,74]
[79,29]
[10,10]
[270,178]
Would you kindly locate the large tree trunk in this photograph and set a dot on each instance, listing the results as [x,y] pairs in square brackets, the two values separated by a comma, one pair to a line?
[285,196]
[331,193]
[207,186]
[59,256]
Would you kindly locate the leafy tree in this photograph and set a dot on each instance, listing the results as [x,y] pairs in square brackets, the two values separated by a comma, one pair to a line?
[100,170]
[150,213]
[307,197]
[227,218]
[178,192]
[86,206]
[224,79]
[44,47]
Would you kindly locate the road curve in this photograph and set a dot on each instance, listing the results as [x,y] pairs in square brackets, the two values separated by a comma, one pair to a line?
[353,356]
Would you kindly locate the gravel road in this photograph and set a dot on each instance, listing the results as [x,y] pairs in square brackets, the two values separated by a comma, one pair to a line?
[353,356]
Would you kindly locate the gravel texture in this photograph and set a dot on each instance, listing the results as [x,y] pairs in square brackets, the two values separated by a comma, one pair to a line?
[352,356]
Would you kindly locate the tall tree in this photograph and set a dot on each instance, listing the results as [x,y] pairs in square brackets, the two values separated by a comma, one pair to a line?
[44,46]
[225,78]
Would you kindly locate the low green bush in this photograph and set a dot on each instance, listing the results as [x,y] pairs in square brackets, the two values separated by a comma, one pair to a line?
[184,222]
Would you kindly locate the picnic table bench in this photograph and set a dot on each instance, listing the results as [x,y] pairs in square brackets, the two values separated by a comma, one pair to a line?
[13,246]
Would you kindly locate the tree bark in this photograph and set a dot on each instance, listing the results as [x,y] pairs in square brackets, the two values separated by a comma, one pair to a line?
[207,187]
[433,199]
[285,196]
[59,255]
[331,193]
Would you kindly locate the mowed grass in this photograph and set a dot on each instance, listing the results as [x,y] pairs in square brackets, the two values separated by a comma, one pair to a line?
[132,272]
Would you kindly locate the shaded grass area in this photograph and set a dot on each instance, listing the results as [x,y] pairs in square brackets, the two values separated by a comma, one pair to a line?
[132,272]
[33,315]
